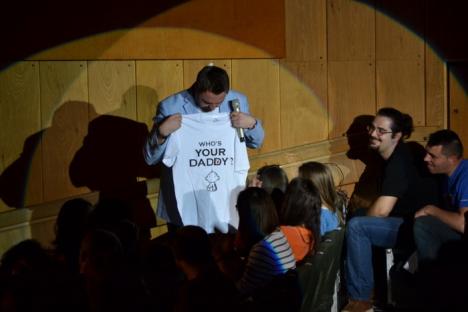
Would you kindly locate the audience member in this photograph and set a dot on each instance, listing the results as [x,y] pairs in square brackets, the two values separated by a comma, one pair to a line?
[274,180]
[436,225]
[32,280]
[300,217]
[402,192]
[72,222]
[206,288]
[270,254]
[439,229]
[333,205]
[110,284]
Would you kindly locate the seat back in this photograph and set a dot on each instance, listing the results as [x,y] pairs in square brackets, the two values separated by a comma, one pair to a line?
[318,273]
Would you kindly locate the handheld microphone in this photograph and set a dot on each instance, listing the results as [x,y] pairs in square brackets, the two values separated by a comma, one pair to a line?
[235,106]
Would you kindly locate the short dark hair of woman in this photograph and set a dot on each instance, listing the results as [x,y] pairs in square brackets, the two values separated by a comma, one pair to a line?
[273,177]
[302,207]
[257,214]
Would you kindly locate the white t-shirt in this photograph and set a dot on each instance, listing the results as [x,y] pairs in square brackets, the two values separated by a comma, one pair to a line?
[209,167]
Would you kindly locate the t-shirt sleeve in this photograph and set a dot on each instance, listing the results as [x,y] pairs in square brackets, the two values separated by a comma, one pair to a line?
[172,149]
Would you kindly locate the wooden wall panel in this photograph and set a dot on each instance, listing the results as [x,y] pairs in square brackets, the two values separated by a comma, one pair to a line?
[400,84]
[20,145]
[192,67]
[164,30]
[112,88]
[458,114]
[306,30]
[259,80]
[64,111]
[350,31]
[394,41]
[155,81]
[351,92]
[304,117]
[436,89]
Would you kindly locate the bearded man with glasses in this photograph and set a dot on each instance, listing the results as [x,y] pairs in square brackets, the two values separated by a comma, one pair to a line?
[402,191]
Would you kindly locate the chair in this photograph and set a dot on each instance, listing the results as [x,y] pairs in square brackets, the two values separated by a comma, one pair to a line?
[318,273]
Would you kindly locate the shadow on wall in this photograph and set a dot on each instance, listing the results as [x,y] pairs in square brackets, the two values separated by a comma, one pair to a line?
[109,160]
[366,189]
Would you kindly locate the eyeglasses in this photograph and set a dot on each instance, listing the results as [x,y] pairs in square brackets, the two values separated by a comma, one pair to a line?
[378,130]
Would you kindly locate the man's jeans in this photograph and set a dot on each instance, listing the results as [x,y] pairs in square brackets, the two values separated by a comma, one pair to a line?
[430,234]
[363,233]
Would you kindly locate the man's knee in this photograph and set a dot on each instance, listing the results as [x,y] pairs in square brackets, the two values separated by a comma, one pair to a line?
[422,227]
[355,225]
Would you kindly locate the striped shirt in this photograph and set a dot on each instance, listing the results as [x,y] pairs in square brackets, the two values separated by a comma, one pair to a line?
[268,258]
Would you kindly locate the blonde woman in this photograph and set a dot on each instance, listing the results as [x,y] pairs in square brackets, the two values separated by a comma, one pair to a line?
[332,203]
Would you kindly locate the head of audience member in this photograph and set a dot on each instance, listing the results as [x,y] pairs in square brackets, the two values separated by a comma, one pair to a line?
[23,258]
[322,178]
[389,127]
[70,227]
[302,207]
[444,152]
[101,255]
[274,180]
[192,251]
[257,216]
[210,88]
[271,177]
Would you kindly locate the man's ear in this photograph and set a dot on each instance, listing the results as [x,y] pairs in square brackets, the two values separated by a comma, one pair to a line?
[397,136]
[452,159]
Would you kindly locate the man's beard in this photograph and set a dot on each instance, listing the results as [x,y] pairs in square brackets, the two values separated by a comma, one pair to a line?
[371,143]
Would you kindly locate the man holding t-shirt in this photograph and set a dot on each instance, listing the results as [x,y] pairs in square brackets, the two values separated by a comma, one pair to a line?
[210,93]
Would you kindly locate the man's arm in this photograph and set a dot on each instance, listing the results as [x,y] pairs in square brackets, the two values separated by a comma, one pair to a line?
[253,130]
[456,220]
[164,124]
[382,206]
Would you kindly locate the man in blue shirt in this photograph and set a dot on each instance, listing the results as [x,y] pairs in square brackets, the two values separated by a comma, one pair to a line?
[435,226]
[209,93]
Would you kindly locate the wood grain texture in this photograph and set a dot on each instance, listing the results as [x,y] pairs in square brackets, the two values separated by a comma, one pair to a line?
[155,81]
[259,81]
[396,21]
[112,88]
[350,31]
[458,114]
[191,30]
[351,92]
[20,144]
[400,84]
[436,89]
[306,30]
[64,110]
[304,116]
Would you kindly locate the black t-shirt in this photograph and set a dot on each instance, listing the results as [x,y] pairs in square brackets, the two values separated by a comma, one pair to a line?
[402,179]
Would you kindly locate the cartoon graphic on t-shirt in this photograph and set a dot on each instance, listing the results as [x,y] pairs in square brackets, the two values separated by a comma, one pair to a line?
[212,177]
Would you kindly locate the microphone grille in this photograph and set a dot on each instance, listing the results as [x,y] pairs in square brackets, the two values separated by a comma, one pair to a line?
[235,105]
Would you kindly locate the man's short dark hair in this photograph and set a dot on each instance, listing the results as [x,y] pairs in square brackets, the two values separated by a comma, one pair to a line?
[400,122]
[451,143]
[211,78]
